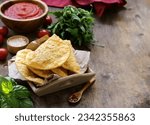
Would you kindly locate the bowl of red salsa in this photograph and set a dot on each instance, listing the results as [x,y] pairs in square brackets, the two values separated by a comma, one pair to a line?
[23,16]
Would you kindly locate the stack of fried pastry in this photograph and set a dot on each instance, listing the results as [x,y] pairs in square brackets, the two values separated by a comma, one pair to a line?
[54,56]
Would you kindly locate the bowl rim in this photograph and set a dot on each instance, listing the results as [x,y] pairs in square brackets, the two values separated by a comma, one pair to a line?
[24,20]
[15,37]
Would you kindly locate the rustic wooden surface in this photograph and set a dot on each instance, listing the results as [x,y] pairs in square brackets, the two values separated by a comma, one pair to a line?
[120,58]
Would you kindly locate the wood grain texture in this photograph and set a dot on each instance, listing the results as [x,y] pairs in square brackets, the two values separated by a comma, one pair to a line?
[120,58]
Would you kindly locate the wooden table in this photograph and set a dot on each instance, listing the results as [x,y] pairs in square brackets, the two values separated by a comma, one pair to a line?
[120,58]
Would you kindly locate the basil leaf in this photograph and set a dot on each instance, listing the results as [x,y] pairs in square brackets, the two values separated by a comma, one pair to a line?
[0,99]
[13,102]
[8,101]
[20,92]
[11,80]
[4,103]
[5,86]
[26,103]
[13,95]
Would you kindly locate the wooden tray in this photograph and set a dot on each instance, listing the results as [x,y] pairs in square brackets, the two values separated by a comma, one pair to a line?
[62,83]
[58,83]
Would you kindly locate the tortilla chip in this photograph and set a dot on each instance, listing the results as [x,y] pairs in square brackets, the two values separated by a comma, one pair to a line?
[23,69]
[46,73]
[49,55]
[71,63]
[53,56]
[60,71]
[41,73]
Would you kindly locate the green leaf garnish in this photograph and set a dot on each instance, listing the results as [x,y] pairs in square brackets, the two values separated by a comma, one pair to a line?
[75,24]
[13,95]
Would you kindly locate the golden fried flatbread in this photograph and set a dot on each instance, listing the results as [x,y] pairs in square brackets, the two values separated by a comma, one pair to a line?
[60,71]
[41,73]
[71,63]
[55,56]
[49,55]
[23,69]
[46,73]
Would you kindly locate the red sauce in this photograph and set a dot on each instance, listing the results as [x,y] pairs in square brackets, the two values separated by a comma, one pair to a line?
[23,10]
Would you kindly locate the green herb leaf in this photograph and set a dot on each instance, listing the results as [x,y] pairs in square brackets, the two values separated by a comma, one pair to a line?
[4,103]
[5,86]
[13,95]
[56,13]
[75,24]
[73,32]
[26,103]
[12,101]
[20,92]
[9,101]
[11,80]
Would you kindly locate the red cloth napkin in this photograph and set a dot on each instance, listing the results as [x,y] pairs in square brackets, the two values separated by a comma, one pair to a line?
[99,5]
[58,3]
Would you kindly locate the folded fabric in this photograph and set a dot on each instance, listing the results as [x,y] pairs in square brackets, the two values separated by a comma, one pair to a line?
[99,5]
[86,2]
[60,3]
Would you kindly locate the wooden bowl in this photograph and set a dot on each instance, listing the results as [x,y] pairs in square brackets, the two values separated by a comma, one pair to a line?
[16,43]
[23,25]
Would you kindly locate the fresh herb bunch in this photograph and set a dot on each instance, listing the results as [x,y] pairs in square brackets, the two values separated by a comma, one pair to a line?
[13,95]
[75,24]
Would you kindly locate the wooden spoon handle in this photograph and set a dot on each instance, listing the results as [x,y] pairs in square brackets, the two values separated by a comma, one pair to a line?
[36,43]
[89,83]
